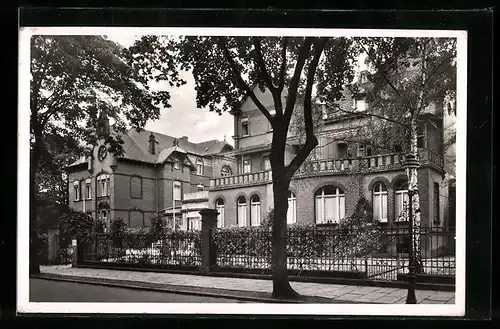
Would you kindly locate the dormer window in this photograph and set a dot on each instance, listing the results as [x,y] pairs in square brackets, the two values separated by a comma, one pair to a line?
[244,127]
[177,163]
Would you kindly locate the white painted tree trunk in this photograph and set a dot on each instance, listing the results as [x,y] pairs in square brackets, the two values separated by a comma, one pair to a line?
[412,174]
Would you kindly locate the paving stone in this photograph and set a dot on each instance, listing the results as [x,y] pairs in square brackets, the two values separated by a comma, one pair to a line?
[388,299]
[442,296]
[430,301]
[342,292]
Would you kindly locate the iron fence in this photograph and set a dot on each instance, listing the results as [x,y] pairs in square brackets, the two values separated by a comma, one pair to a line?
[380,255]
[175,249]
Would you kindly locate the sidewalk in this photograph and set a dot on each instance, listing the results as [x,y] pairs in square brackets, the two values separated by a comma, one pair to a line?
[251,287]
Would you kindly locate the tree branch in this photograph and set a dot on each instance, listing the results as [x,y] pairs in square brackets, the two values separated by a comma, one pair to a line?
[375,116]
[384,75]
[260,61]
[281,78]
[241,82]
[311,140]
[294,83]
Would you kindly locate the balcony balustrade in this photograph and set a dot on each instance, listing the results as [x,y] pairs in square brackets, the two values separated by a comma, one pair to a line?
[199,195]
[242,179]
[332,166]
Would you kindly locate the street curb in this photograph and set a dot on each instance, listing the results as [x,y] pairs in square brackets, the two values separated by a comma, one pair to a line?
[215,293]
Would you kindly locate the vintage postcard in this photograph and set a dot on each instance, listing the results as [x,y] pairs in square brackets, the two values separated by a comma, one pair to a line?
[242,171]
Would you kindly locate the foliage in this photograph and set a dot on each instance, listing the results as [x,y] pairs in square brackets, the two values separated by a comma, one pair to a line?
[99,226]
[117,231]
[158,227]
[267,222]
[75,224]
[351,237]
[363,210]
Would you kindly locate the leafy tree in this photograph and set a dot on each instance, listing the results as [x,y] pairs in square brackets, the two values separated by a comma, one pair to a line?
[72,79]
[410,77]
[226,69]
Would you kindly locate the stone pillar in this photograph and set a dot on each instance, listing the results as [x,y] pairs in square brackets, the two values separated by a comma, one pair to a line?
[77,252]
[74,252]
[208,248]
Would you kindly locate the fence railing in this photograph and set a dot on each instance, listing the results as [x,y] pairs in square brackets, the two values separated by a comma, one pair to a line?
[174,249]
[333,250]
[372,252]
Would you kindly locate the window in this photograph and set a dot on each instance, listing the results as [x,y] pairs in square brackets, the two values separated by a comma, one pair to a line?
[103,185]
[177,191]
[342,150]
[219,205]
[76,189]
[226,171]
[247,166]
[136,187]
[244,127]
[88,189]
[436,203]
[200,187]
[361,150]
[360,105]
[194,224]
[401,201]
[330,205]
[380,202]
[199,167]
[177,163]
[241,217]
[292,209]
[267,162]
[255,210]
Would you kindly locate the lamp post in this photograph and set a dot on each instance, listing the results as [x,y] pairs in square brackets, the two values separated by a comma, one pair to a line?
[412,164]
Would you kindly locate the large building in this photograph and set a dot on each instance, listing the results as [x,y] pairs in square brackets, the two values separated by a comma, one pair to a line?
[329,184]
[159,174]
[156,175]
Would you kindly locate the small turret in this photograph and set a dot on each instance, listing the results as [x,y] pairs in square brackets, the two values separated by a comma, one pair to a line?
[103,125]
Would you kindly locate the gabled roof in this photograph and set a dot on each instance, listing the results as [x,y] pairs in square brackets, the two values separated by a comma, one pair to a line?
[136,147]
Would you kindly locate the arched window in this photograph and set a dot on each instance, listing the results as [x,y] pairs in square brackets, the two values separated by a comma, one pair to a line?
[292,209]
[219,206]
[102,185]
[241,218]
[380,202]
[226,171]
[255,210]
[401,200]
[199,167]
[330,205]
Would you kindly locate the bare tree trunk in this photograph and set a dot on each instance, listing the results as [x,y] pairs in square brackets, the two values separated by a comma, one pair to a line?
[281,286]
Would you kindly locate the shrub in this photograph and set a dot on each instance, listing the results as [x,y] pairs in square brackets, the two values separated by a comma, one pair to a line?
[117,232]
[74,224]
[158,227]
[99,226]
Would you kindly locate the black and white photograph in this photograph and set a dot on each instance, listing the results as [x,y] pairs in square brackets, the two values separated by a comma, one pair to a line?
[242,171]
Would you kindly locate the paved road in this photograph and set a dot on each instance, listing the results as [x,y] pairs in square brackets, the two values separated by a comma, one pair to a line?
[58,291]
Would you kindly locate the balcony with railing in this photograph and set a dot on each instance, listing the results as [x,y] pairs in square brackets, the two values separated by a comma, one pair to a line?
[255,178]
[383,162]
[199,195]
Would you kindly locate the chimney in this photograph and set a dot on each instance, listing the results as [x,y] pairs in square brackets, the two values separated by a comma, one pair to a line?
[152,142]
[184,138]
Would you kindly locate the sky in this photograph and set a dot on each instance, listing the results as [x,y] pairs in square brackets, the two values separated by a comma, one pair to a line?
[184,118]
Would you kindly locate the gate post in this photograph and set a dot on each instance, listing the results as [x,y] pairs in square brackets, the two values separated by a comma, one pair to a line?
[208,248]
